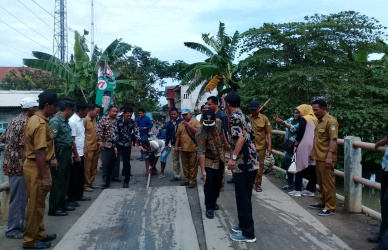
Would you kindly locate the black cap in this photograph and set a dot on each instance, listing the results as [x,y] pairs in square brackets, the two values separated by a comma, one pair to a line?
[209,118]
[203,107]
[48,97]
[254,105]
[66,103]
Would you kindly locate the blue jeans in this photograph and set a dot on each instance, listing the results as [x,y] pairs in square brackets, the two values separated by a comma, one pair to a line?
[290,177]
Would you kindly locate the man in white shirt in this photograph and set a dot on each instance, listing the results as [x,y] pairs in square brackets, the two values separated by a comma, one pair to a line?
[152,151]
[76,183]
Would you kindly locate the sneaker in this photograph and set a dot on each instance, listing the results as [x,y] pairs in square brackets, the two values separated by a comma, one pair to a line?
[241,238]
[295,193]
[317,206]
[236,229]
[288,187]
[307,193]
[325,212]
[88,189]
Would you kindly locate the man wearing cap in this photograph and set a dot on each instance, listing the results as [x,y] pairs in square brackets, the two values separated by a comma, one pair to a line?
[211,141]
[198,117]
[77,171]
[40,154]
[60,174]
[245,161]
[14,156]
[262,128]
[185,138]
[91,147]
[172,127]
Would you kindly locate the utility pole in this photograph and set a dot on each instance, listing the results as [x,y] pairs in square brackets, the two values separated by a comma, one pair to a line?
[60,41]
[92,30]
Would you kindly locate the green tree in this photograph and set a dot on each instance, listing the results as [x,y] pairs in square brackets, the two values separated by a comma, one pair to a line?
[293,62]
[218,68]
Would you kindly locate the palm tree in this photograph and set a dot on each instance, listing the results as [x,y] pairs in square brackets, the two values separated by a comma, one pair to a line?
[81,73]
[218,70]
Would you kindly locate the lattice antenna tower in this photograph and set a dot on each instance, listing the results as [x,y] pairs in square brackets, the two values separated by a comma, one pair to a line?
[92,30]
[60,41]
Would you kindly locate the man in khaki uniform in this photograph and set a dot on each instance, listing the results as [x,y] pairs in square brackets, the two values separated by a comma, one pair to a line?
[325,154]
[185,137]
[39,151]
[262,130]
[91,148]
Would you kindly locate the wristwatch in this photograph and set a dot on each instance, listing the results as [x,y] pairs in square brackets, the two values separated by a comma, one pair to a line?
[234,157]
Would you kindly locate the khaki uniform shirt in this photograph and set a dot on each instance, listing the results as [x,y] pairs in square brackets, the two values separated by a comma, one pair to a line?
[37,135]
[61,131]
[325,131]
[90,133]
[261,126]
[186,142]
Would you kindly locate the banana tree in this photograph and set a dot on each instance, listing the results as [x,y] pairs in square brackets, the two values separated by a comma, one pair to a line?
[217,71]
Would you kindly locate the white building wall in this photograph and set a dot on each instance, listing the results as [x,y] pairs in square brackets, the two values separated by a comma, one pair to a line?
[189,100]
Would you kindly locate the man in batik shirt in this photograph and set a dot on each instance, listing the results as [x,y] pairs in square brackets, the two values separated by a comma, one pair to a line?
[14,156]
[211,141]
[245,161]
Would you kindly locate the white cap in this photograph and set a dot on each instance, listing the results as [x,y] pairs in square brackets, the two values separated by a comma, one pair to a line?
[28,102]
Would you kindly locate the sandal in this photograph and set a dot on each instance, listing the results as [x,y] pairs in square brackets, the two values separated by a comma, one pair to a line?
[161,177]
[258,189]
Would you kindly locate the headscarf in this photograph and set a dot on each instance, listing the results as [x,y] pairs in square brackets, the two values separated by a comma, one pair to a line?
[307,112]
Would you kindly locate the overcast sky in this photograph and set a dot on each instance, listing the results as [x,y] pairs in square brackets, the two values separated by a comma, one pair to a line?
[159,27]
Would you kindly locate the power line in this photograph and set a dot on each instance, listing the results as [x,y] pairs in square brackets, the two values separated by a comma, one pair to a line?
[15,49]
[43,8]
[24,35]
[36,15]
[24,23]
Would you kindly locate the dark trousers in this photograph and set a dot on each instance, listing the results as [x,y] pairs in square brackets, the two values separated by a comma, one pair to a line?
[213,185]
[243,183]
[116,168]
[311,175]
[384,202]
[105,155]
[76,182]
[126,154]
[60,179]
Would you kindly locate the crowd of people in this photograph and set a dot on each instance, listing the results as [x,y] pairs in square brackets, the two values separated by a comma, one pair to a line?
[60,156]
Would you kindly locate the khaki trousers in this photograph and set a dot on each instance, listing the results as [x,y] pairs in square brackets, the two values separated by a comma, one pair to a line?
[90,164]
[175,163]
[36,203]
[190,166]
[325,178]
[259,175]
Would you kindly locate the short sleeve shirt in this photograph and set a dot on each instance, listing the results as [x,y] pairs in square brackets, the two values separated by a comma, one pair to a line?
[13,137]
[157,147]
[187,144]
[325,131]
[207,146]
[90,133]
[261,126]
[61,131]
[37,135]
[240,126]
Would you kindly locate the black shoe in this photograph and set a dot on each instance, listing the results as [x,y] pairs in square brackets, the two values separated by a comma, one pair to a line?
[374,239]
[192,185]
[175,179]
[39,245]
[230,181]
[125,185]
[68,208]
[103,186]
[73,204]
[216,207]
[84,198]
[116,180]
[58,213]
[49,237]
[209,214]
[184,184]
